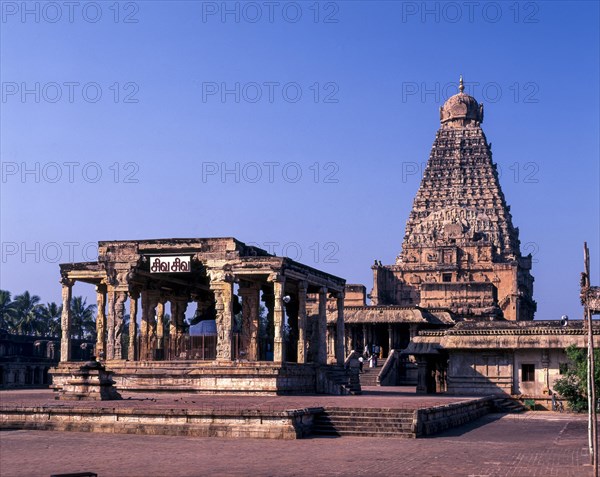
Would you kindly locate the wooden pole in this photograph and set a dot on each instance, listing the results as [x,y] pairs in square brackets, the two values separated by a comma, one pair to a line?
[592,414]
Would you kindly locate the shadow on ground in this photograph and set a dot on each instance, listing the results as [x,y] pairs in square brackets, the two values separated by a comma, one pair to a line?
[466,428]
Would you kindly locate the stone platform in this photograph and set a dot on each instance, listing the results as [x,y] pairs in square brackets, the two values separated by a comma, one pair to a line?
[212,377]
[275,417]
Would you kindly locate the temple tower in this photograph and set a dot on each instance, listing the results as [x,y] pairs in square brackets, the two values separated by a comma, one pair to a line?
[460,250]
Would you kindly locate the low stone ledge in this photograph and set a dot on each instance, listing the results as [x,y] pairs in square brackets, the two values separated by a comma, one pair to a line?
[240,423]
[204,378]
[440,418]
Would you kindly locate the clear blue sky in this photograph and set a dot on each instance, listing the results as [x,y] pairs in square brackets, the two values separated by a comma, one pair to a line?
[382,70]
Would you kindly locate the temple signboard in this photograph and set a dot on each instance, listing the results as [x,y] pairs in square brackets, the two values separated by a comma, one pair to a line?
[173,264]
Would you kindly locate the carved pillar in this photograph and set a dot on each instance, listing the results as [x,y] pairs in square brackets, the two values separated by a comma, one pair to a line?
[110,324]
[390,339]
[340,333]
[421,375]
[65,320]
[250,294]
[265,340]
[176,326]
[173,344]
[101,322]
[133,352]
[119,314]
[278,320]
[364,335]
[222,287]
[151,345]
[322,327]
[160,330]
[302,287]
[331,344]
[148,325]
[143,351]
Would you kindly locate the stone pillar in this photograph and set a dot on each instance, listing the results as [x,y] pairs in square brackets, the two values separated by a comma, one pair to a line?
[65,320]
[268,300]
[119,314]
[101,322]
[143,351]
[331,344]
[182,305]
[278,320]
[365,340]
[390,338]
[302,288]
[148,325]
[110,324]
[340,333]
[173,336]
[176,326]
[250,294]
[160,330]
[322,327]
[421,375]
[413,331]
[133,352]
[223,290]
[152,304]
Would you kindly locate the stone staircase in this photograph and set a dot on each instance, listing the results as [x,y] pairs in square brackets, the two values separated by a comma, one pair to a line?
[364,422]
[369,375]
[508,405]
[340,377]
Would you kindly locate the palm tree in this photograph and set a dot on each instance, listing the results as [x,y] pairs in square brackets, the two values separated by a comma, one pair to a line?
[50,315]
[7,310]
[27,313]
[82,318]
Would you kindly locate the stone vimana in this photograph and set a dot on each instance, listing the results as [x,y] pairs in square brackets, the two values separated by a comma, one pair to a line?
[460,250]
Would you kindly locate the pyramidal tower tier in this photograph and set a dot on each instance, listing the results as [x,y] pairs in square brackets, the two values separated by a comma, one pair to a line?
[460,250]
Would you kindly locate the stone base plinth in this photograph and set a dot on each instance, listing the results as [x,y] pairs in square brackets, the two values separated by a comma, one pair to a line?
[206,377]
[243,423]
[90,382]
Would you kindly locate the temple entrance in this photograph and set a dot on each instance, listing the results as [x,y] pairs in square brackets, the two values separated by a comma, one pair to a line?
[382,339]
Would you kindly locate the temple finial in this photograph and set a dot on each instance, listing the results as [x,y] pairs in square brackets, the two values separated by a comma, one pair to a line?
[461,86]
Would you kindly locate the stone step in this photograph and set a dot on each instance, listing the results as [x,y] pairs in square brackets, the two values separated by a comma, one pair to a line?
[382,428]
[370,414]
[508,405]
[354,422]
[364,421]
[402,435]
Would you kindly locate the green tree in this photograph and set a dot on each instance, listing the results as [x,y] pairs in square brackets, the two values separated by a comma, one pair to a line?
[27,314]
[83,322]
[573,385]
[50,314]
[7,311]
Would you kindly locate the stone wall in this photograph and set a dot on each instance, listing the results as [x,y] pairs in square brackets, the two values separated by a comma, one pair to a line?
[496,371]
[480,372]
[437,419]
[174,422]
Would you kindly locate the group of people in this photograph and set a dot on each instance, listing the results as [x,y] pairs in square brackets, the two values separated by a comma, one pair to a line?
[371,354]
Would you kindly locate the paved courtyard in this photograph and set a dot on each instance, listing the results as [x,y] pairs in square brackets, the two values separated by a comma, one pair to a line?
[397,397]
[533,444]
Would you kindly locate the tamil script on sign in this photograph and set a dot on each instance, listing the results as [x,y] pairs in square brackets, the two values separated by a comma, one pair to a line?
[169,264]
